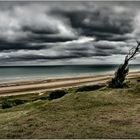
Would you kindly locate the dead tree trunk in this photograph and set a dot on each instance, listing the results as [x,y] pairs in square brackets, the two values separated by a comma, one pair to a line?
[122,71]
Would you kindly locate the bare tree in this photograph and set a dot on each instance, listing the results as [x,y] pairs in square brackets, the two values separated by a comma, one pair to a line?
[122,71]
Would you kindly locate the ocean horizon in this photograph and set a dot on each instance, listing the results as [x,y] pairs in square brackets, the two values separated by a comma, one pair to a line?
[14,73]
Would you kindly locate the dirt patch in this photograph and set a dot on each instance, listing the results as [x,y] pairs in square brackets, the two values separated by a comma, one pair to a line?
[121,122]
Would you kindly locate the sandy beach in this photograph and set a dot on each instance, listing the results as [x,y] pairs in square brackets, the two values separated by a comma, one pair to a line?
[40,86]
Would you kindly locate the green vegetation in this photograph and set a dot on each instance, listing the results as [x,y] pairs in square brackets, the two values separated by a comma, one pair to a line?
[12,102]
[8,102]
[89,88]
[101,113]
[56,94]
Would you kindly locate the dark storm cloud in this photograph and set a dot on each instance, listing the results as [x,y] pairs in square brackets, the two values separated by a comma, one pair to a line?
[111,47]
[39,31]
[32,57]
[30,23]
[51,31]
[49,39]
[46,35]
[102,22]
[4,45]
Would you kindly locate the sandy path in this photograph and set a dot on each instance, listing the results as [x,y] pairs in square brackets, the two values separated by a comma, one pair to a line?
[26,87]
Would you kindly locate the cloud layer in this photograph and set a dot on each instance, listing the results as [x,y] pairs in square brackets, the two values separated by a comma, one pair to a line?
[67,33]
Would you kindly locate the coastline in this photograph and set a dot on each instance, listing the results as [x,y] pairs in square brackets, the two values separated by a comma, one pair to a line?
[41,86]
[26,73]
[63,76]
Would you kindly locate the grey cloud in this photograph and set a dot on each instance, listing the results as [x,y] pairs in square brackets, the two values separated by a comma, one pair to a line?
[112,47]
[53,31]
[22,22]
[100,21]
[9,46]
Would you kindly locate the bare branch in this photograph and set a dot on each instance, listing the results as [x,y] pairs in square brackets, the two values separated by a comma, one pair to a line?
[132,52]
[122,71]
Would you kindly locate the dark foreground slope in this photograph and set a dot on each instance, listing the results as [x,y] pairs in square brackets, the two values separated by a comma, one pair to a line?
[100,113]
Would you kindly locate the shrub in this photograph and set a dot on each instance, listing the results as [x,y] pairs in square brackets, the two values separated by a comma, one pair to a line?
[56,94]
[19,101]
[43,98]
[89,88]
[8,103]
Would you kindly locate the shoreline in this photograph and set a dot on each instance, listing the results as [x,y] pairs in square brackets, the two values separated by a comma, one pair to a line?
[48,77]
[41,86]
[15,80]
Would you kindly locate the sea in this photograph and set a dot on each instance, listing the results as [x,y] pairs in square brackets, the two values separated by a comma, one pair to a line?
[20,73]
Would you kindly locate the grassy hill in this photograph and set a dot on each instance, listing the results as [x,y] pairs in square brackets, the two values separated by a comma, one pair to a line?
[84,112]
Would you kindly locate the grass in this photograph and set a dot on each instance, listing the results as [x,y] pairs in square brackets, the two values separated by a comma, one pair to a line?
[89,88]
[98,113]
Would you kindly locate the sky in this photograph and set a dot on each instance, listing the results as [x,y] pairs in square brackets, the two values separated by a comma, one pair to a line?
[68,32]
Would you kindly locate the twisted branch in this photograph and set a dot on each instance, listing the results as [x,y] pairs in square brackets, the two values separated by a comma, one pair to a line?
[132,53]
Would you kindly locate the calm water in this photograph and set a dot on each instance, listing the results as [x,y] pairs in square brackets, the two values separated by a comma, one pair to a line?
[8,73]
